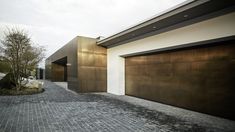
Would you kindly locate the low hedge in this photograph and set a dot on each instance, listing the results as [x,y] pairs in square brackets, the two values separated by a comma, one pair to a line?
[23,91]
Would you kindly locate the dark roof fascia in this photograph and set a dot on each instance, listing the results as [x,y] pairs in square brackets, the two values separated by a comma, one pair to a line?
[186,6]
[182,24]
[157,17]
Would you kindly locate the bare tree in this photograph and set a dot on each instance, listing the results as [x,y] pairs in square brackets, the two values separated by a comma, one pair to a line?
[20,53]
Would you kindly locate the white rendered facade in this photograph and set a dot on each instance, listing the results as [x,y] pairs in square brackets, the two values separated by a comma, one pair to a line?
[218,27]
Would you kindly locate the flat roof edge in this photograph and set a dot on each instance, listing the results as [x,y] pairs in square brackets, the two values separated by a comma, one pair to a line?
[187,4]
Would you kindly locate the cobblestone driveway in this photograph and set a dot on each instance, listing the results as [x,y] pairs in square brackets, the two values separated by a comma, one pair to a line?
[59,110]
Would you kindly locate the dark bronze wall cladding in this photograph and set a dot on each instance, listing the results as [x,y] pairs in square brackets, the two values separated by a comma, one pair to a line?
[82,63]
[58,73]
[92,66]
[66,54]
[197,78]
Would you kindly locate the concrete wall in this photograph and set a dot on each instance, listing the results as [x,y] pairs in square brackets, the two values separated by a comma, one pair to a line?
[218,27]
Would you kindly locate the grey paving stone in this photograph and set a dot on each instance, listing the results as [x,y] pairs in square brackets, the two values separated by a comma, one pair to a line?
[59,110]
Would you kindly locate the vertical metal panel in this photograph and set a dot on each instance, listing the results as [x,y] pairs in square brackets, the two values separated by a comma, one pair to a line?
[57,72]
[199,78]
[92,66]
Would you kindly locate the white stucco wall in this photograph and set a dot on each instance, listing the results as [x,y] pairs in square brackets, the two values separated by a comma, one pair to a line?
[218,27]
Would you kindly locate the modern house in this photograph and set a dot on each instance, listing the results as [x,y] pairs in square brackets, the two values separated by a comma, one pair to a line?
[183,57]
[81,63]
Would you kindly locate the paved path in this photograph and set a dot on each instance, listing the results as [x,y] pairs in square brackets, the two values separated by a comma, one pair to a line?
[59,110]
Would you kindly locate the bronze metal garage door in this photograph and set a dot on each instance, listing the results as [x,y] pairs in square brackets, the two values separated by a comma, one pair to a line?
[199,78]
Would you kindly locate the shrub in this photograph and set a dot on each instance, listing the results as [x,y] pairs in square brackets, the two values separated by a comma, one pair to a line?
[4,67]
[6,81]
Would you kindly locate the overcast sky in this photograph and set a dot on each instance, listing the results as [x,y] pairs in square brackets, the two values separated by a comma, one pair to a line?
[52,23]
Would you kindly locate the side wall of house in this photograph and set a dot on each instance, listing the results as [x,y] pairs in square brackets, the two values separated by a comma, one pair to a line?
[82,63]
[69,52]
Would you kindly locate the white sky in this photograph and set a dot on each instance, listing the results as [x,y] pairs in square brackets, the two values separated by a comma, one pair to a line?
[52,23]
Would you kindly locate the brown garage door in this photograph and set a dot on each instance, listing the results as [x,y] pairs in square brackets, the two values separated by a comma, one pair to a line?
[197,78]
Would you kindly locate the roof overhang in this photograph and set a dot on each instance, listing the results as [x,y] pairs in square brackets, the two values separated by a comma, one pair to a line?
[186,13]
[61,61]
